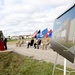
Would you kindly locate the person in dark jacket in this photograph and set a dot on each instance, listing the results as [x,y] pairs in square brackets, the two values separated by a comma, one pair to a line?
[39,43]
[30,43]
[5,43]
[36,45]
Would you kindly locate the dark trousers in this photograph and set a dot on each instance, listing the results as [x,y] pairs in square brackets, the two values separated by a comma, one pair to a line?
[36,46]
[29,44]
[5,46]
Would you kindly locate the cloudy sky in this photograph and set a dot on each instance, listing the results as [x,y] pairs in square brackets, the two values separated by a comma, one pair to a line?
[21,17]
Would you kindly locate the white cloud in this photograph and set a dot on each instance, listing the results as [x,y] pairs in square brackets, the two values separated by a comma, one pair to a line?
[25,16]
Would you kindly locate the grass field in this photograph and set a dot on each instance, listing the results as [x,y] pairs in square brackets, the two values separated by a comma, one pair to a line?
[14,64]
[15,41]
[12,41]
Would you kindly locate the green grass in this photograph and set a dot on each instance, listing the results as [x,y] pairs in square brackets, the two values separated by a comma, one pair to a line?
[12,40]
[16,40]
[14,64]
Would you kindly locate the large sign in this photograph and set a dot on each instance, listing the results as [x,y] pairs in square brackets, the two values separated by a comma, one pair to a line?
[63,39]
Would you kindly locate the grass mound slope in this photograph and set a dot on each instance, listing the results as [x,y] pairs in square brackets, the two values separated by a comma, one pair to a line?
[15,64]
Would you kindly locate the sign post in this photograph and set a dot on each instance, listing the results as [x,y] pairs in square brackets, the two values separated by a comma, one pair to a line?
[55,64]
[64,66]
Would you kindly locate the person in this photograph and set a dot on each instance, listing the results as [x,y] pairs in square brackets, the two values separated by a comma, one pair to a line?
[30,43]
[1,44]
[20,41]
[38,42]
[46,42]
[35,43]
[5,42]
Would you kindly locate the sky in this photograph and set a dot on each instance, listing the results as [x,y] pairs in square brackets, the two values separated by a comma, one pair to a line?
[24,17]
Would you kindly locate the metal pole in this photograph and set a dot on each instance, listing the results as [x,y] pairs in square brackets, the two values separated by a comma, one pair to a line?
[55,64]
[64,66]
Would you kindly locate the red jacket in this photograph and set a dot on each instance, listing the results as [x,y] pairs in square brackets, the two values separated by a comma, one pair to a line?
[1,45]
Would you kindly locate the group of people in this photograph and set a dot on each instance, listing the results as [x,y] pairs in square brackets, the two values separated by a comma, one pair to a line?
[45,42]
[3,43]
[34,42]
